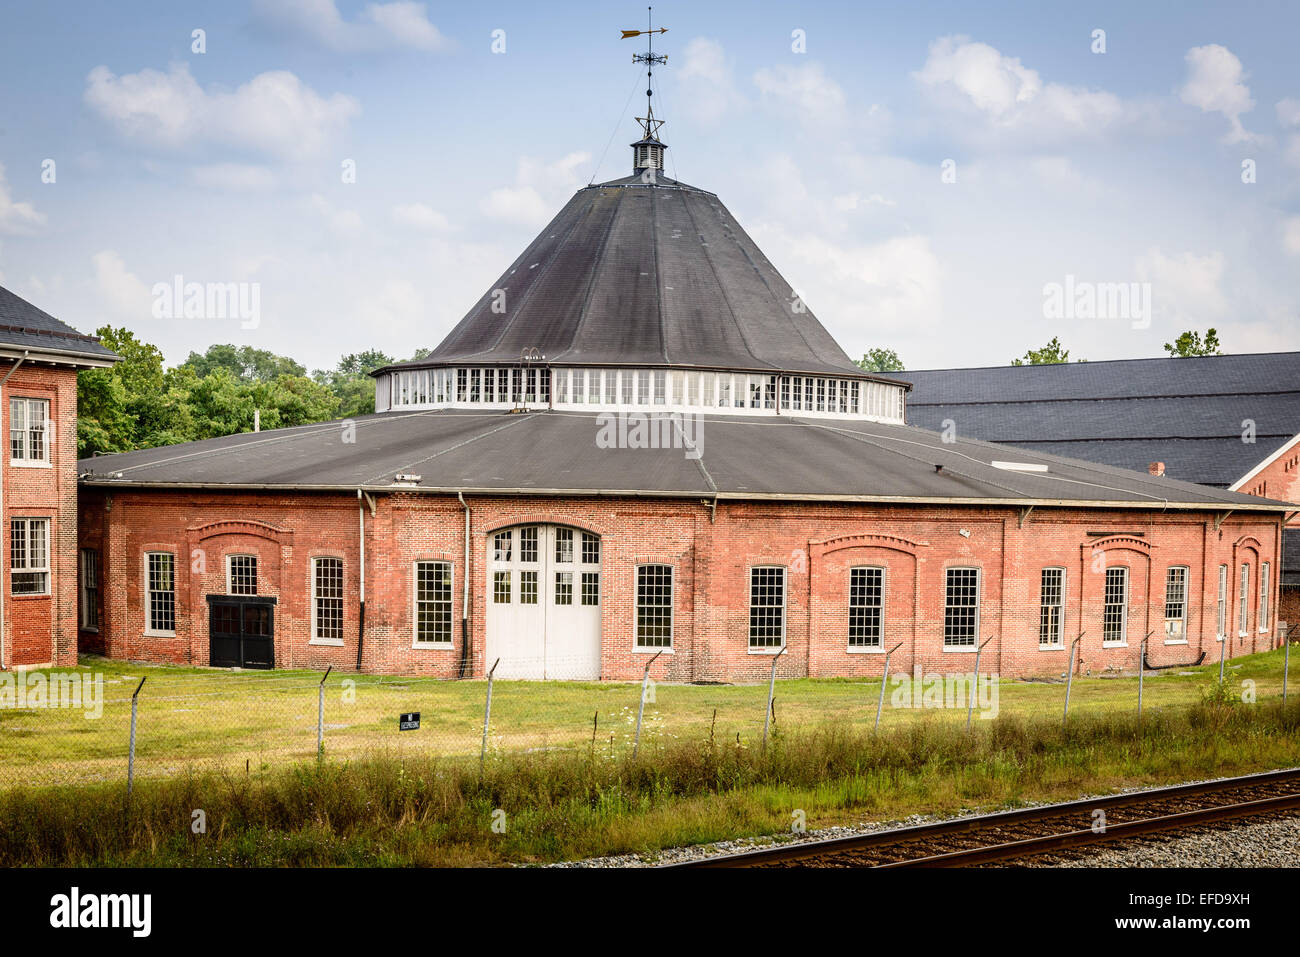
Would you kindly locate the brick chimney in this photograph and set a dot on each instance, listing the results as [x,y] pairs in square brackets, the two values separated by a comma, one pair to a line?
[1156,468]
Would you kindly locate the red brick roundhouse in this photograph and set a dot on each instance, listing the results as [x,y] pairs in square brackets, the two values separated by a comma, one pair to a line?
[39,359]
[639,442]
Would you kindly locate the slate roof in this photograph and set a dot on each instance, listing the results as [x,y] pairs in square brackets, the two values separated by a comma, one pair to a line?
[553,452]
[651,275]
[23,326]
[1187,413]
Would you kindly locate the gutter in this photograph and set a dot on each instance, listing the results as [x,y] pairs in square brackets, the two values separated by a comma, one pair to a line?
[464,602]
[363,500]
[4,645]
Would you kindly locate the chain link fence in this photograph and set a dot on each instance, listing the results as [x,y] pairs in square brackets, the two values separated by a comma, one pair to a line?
[108,721]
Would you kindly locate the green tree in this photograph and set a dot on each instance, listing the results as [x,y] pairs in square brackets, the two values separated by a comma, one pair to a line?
[244,363]
[880,360]
[350,381]
[1050,354]
[135,404]
[1190,344]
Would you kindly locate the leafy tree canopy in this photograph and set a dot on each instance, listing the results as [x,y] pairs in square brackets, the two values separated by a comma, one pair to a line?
[1190,344]
[1050,354]
[880,360]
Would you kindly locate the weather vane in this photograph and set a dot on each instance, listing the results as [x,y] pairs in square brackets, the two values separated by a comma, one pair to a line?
[649,58]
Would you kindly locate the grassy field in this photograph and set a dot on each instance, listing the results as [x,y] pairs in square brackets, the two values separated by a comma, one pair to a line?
[194,720]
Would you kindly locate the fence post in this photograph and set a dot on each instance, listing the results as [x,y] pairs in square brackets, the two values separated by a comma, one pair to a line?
[1223,648]
[884,680]
[1069,678]
[771,690]
[487,717]
[130,758]
[1286,659]
[1142,667]
[645,683]
[970,701]
[320,715]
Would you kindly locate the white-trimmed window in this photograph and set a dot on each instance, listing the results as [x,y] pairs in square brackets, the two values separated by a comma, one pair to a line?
[654,606]
[29,426]
[1114,617]
[1051,611]
[866,607]
[1264,584]
[88,590]
[1222,620]
[29,556]
[767,606]
[961,607]
[1176,604]
[327,599]
[241,574]
[433,603]
[501,588]
[160,592]
[1243,601]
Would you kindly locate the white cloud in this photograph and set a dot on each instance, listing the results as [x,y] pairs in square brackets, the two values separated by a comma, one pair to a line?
[1003,91]
[1291,235]
[235,177]
[706,81]
[273,113]
[120,291]
[807,90]
[380,26]
[1288,112]
[538,191]
[420,216]
[1216,84]
[1185,289]
[345,222]
[851,201]
[17,218]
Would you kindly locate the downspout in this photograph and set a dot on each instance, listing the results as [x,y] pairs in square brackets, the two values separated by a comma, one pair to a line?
[4,630]
[464,602]
[361,540]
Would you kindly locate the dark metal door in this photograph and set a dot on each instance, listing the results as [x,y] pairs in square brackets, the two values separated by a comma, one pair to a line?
[241,631]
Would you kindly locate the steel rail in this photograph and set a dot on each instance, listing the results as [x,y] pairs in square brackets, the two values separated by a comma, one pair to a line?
[830,847]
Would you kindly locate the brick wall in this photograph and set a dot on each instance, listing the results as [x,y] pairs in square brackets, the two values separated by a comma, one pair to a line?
[42,629]
[711,554]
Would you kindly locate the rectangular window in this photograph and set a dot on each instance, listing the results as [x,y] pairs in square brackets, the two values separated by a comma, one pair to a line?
[501,546]
[564,588]
[562,385]
[564,545]
[1051,608]
[866,607]
[489,385]
[590,549]
[1263,596]
[28,428]
[89,597]
[961,607]
[462,384]
[767,606]
[659,394]
[501,588]
[654,606]
[591,588]
[327,598]
[611,387]
[1243,602]
[241,574]
[528,544]
[724,391]
[433,602]
[1176,604]
[160,574]
[475,383]
[628,384]
[29,556]
[1223,601]
[1114,619]
[528,588]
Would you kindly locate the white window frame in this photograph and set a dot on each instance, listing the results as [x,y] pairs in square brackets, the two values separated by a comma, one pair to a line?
[879,647]
[30,522]
[1262,617]
[1221,621]
[749,617]
[1059,643]
[416,641]
[87,568]
[1243,601]
[230,573]
[27,460]
[637,646]
[979,604]
[1122,641]
[149,591]
[1187,598]
[315,598]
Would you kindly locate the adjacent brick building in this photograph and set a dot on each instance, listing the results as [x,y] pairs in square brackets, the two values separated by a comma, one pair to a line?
[39,359]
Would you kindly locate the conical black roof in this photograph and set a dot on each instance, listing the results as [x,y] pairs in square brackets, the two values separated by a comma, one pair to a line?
[645,274]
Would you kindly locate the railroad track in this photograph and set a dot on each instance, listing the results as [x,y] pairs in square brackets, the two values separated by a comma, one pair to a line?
[1006,835]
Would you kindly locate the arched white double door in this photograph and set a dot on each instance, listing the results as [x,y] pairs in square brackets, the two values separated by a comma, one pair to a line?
[543,603]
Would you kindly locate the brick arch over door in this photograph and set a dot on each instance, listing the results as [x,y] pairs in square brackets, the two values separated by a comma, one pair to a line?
[1095,558]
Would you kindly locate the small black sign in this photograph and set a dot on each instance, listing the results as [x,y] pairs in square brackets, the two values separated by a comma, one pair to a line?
[409,722]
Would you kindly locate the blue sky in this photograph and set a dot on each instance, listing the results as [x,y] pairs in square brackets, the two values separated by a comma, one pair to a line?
[225,166]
